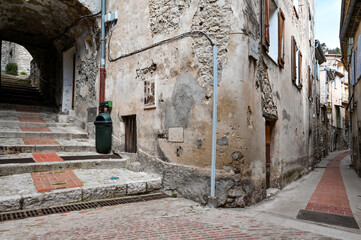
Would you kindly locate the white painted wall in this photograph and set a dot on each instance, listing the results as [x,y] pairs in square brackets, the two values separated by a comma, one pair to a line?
[67,80]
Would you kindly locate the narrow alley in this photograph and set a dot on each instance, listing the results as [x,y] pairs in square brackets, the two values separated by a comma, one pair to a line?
[180,119]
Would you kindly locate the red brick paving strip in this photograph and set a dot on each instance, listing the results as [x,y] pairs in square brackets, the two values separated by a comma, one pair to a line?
[40,141]
[31,119]
[46,157]
[35,129]
[27,111]
[330,194]
[58,179]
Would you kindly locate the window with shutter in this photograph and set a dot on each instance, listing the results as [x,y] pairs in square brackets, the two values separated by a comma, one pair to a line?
[299,66]
[295,7]
[266,25]
[293,59]
[281,42]
[310,81]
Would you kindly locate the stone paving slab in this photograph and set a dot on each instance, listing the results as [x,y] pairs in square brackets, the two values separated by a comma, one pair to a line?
[70,132]
[18,192]
[159,219]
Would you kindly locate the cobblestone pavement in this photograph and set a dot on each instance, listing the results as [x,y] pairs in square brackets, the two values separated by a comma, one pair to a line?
[160,219]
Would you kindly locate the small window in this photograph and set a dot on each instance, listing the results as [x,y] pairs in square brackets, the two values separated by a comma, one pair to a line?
[271,29]
[296,7]
[296,64]
[310,82]
[281,39]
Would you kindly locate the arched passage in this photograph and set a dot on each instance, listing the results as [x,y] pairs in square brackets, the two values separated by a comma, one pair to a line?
[48,29]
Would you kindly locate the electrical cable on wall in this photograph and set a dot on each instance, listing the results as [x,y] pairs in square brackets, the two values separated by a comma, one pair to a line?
[74,23]
[183,35]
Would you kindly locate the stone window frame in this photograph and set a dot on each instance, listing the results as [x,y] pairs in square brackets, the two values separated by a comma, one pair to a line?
[296,64]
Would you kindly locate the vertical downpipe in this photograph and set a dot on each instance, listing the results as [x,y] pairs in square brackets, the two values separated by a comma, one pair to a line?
[214,122]
[102,58]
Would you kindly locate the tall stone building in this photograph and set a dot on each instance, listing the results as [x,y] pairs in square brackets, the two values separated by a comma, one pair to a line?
[265,99]
[350,32]
[159,79]
[334,92]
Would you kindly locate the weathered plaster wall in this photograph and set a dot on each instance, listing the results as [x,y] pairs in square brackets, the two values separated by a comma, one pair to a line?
[249,91]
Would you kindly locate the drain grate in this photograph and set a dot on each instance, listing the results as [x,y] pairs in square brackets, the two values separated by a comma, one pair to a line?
[79,206]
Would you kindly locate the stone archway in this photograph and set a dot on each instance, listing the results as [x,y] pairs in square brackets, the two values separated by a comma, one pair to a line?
[43,28]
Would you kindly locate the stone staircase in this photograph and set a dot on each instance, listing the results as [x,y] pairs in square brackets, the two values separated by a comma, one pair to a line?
[44,162]
[29,131]
[15,90]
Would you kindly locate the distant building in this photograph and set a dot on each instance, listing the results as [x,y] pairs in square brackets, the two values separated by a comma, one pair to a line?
[350,31]
[334,96]
[15,53]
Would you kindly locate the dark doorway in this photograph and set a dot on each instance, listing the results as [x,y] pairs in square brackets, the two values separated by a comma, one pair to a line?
[73,95]
[130,123]
[268,153]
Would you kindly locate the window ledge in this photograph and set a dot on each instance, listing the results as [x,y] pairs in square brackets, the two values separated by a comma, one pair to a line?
[269,56]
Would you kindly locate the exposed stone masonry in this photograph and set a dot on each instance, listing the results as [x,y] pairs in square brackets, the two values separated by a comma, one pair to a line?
[212,17]
[165,14]
[269,107]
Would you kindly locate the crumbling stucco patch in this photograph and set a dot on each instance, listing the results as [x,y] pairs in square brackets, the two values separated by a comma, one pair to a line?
[186,93]
[141,73]
[212,17]
[165,14]
[85,81]
[269,107]
[249,117]
[285,115]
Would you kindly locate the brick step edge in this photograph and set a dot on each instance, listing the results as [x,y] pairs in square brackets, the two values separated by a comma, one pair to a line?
[75,195]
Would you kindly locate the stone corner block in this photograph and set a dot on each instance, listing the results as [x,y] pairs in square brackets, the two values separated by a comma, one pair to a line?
[154,185]
[136,187]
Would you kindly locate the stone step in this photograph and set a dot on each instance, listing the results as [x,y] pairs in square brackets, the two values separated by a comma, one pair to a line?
[32,145]
[27,163]
[33,124]
[21,191]
[27,113]
[14,107]
[52,134]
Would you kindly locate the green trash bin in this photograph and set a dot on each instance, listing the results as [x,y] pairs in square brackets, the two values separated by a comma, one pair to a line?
[103,133]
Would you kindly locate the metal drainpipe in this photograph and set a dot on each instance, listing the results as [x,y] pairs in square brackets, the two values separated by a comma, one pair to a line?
[102,58]
[214,125]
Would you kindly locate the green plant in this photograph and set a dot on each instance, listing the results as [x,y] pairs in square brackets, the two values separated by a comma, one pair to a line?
[174,195]
[23,73]
[12,69]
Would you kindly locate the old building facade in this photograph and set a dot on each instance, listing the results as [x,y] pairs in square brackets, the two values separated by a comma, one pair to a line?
[350,31]
[334,96]
[159,78]
[265,108]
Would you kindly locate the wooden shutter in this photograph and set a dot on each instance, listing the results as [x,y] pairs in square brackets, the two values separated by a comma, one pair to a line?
[266,36]
[281,41]
[309,82]
[300,69]
[293,59]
